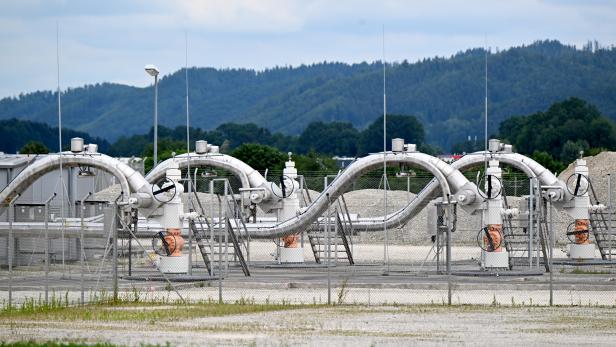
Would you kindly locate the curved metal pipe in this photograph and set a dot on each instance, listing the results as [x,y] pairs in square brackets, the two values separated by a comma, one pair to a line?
[247,175]
[344,180]
[131,181]
[457,182]
[527,165]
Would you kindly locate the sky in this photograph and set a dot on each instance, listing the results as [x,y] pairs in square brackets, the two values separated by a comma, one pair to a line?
[112,40]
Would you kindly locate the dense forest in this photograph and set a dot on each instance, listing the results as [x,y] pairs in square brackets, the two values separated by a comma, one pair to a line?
[318,141]
[15,134]
[446,94]
[561,134]
[335,138]
[554,137]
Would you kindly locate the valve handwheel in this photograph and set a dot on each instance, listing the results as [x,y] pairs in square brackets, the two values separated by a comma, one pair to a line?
[578,232]
[577,184]
[487,242]
[287,186]
[493,188]
[166,192]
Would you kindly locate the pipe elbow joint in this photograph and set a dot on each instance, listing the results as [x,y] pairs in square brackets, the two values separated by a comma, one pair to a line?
[139,200]
[466,197]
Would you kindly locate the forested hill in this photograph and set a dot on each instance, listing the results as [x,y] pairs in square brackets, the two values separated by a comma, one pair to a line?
[446,94]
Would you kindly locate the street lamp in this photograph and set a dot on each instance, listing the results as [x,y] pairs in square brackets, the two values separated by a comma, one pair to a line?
[153,71]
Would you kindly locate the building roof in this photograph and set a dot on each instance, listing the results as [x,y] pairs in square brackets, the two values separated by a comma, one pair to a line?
[10,161]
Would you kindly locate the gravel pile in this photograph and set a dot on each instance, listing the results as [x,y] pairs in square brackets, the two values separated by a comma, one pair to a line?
[108,194]
[369,203]
[599,166]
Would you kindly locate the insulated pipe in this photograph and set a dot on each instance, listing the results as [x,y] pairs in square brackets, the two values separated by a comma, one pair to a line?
[345,179]
[252,178]
[456,180]
[529,166]
[249,176]
[130,180]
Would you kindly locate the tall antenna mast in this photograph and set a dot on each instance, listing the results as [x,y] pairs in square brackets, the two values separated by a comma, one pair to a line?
[485,112]
[187,109]
[62,187]
[188,143]
[386,244]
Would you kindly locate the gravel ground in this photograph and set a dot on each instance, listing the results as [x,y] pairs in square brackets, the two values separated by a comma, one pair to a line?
[345,326]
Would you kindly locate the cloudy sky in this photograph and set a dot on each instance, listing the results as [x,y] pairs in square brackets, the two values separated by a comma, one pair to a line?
[112,40]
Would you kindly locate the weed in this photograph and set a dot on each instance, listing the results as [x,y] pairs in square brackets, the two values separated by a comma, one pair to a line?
[342,292]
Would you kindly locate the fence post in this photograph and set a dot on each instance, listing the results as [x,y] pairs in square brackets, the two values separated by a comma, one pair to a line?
[551,240]
[219,238]
[610,236]
[531,212]
[328,247]
[81,248]
[448,249]
[114,248]
[10,250]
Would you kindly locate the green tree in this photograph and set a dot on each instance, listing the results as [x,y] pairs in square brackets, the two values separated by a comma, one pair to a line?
[335,138]
[406,127]
[314,162]
[468,146]
[572,150]
[34,147]
[260,157]
[546,159]
[562,131]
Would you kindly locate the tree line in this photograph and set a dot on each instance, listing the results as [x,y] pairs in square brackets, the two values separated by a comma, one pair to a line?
[554,137]
[446,94]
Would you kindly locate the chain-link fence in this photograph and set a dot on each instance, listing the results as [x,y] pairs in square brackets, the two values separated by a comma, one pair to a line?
[106,249]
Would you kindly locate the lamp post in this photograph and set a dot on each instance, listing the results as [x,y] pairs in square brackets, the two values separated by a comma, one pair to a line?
[153,71]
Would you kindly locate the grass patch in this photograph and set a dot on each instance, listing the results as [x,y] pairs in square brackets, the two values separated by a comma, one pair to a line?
[578,271]
[142,311]
[52,344]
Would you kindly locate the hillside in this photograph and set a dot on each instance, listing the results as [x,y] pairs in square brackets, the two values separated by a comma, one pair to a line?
[446,94]
[16,133]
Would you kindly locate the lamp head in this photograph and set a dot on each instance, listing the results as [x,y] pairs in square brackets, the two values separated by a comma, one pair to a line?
[152,70]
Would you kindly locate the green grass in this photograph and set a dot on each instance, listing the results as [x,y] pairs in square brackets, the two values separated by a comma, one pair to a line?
[52,344]
[141,311]
[578,271]
[62,344]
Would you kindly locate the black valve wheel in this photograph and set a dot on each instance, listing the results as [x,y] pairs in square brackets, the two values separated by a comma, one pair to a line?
[493,188]
[287,187]
[165,192]
[163,247]
[572,233]
[577,184]
[491,244]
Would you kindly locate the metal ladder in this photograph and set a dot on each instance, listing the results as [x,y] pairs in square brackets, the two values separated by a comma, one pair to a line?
[237,246]
[512,239]
[517,239]
[203,244]
[239,240]
[209,240]
[601,227]
[318,237]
